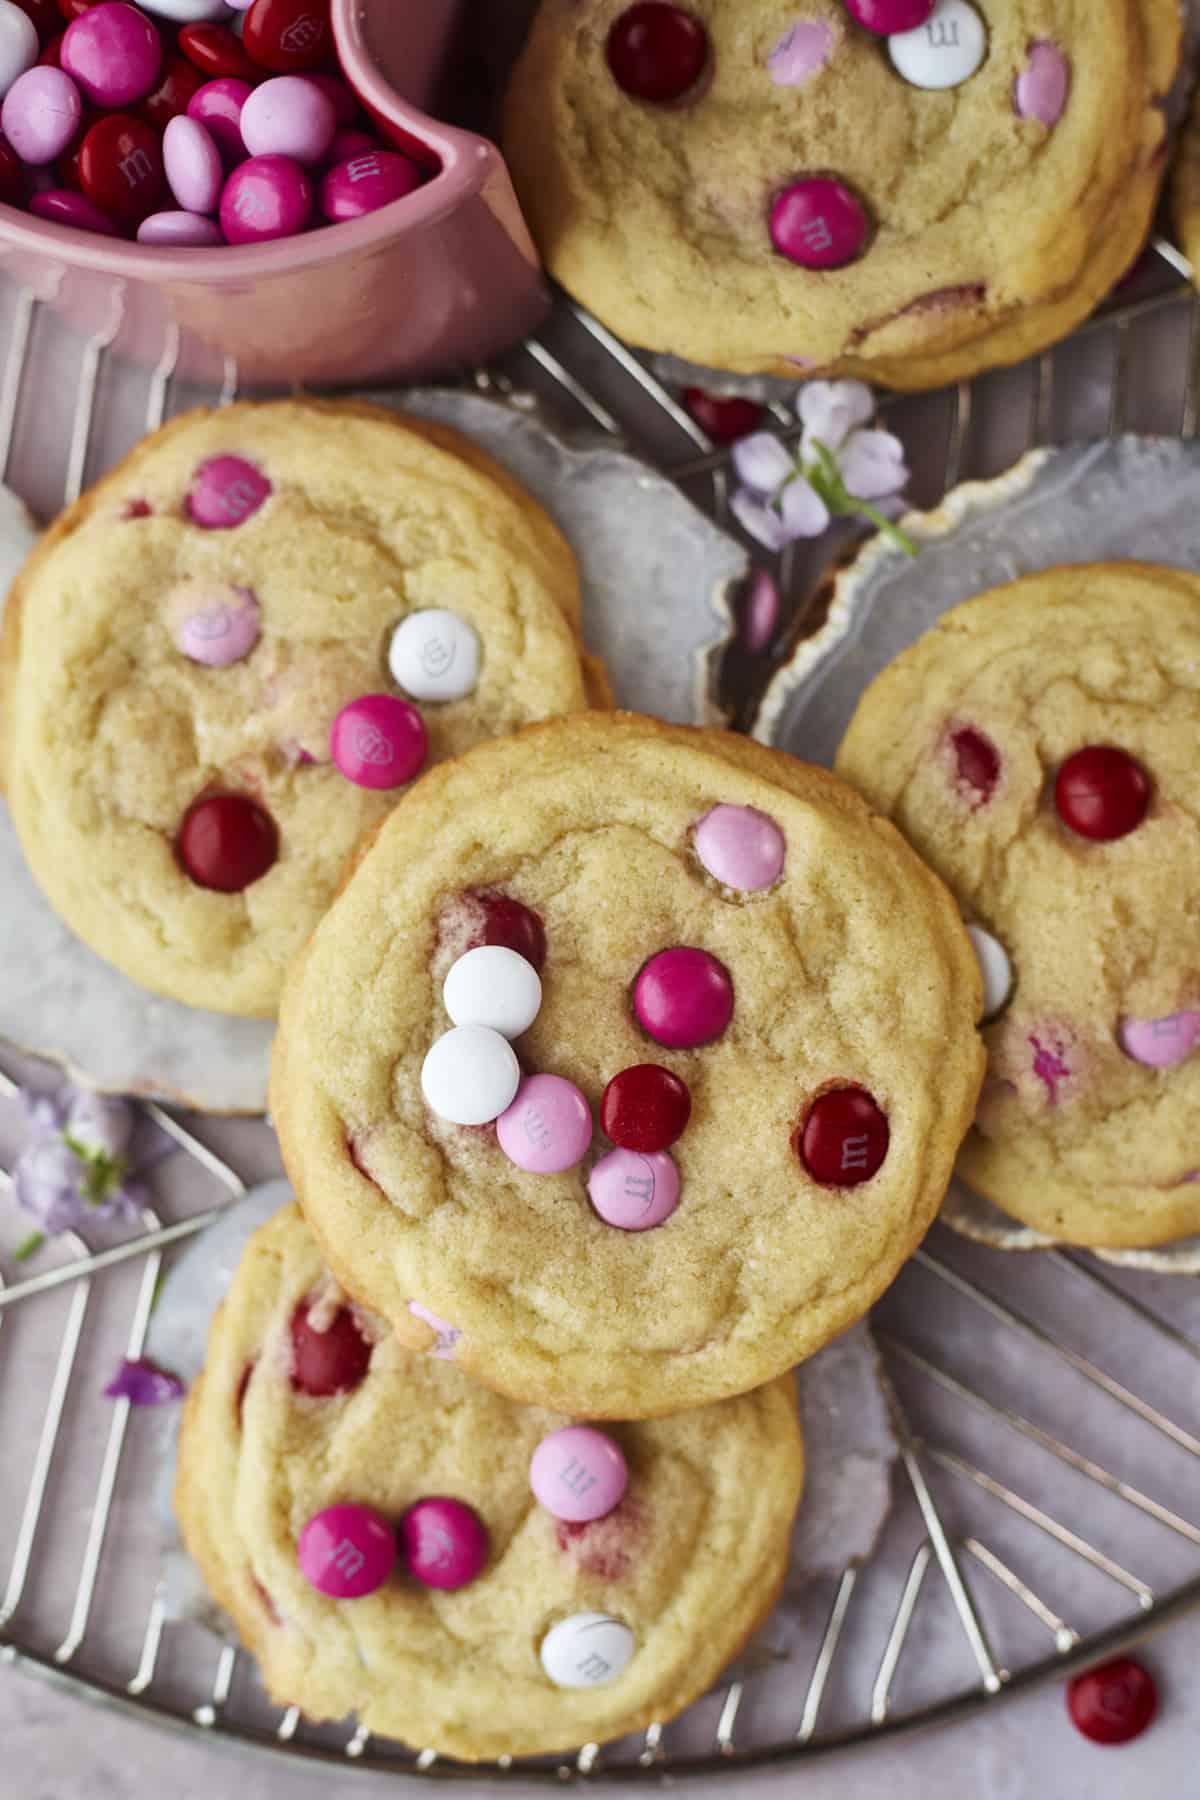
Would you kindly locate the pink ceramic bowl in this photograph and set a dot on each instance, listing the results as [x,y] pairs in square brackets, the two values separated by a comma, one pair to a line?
[446,276]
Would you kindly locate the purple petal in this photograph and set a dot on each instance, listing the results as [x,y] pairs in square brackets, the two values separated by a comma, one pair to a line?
[763,523]
[759,613]
[99,1123]
[805,514]
[762,463]
[800,52]
[44,1113]
[872,464]
[143,1383]
[47,1183]
[830,410]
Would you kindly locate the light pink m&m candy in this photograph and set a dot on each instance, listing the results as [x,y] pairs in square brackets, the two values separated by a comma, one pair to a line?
[41,114]
[683,998]
[180,231]
[547,1128]
[578,1474]
[113,52]
[225,492]
[195,172]
[1040,90]
[1161,1043]
[289,116]
[347,1551]
[445,1544]
[265,198]
[818,223]
[740,847]
[366,183]
[221,626]
[634,1190]
[378,741]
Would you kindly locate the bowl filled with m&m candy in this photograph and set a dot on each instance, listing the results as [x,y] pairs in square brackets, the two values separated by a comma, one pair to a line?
[246,171]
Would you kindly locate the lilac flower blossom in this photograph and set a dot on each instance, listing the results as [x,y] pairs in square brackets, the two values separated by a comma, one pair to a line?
[74,1167]
[844,466]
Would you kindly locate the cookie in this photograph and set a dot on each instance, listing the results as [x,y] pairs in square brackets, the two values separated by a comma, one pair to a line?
[223,663]
[1185,187]
[1038,747]
[781,189]
[707,1148]
[396,1541]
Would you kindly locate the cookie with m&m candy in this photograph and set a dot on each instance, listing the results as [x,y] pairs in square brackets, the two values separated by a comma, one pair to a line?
[223,666]
[697,1133]
[1038,747]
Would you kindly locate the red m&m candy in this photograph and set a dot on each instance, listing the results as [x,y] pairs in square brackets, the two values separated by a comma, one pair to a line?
[121,168]
[725,417]
[1114,1703]
[177,81]
[330,1361]
[227,842]
[977,761]
[645,1108]
[516,927]
[1102,793]
[844,1139]
[216,53]
[288,36]
[656,51]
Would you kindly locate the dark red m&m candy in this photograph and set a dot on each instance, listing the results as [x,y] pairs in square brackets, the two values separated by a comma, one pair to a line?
[513,926]
[121,168]
[1114,1703]
[215,51]
[844,1138]
[724,417]
[977,760]
[331,1361]
[645,1108]
[226,842]
[1102,793]
[656,51]
[178,80]
[288,37]
[12,176]
[45,15]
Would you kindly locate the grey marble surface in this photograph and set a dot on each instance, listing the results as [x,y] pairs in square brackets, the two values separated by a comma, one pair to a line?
[59,1748]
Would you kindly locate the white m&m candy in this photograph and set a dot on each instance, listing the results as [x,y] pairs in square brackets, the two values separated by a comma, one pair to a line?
[493,986]
[586,1650]
[434,655]
[18,44]
[945,51]
[470,1075]
[995,968]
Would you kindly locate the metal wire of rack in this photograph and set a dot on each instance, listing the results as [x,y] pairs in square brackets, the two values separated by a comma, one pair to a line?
[1036,1400]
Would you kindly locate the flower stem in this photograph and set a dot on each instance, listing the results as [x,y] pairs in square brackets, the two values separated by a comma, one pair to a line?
[827,479]
[900,538]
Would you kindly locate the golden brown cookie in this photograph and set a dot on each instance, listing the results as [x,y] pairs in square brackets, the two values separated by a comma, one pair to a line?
[177,650]
[1038,747]
[775,189]
[620,1242]
[308,1405]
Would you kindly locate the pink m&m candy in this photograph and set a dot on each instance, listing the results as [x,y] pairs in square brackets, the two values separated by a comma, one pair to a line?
[267,197]
[740,847]
[378,741]
[349,141]
[1040,90]
[347,1551]
[65,207]
[578,1474]
[180,231]
[445,1544]
[289,116]
[1161,1043]
[113,52]
[193,164]
[220,626]
[41,114]
[367,182]
[225,492]
[683,997]
[886,16]
[218,106]
[634,1190]
[547,1128]
[818,223]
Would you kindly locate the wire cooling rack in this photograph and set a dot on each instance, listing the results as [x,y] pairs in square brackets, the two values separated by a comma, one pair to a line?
[1047,1408]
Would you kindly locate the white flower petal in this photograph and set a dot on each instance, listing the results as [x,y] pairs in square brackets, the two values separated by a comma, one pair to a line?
[762,462]
[762,523]
[805,514]
[872,464]
[830,410]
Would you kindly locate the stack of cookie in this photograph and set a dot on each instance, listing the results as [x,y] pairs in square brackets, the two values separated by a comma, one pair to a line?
[590,1090]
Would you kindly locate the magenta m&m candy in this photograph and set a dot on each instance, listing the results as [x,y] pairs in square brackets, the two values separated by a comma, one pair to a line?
[683,997]
[114,52]
[844,1139]
[216,625]
[41,114]
[289,116]
[1161,1043]
[227,842]
[645,1107]
[367,182]
[885,16]
[548,1126]
[740,847]
[379,741]
[656,52]
[1102,793]
[194,169]
[445,1543]
[180,231]
[578,1474]
[818,222]
[348,141]
[347,1551]
[218,106]
[225,492]
[264,198]
[63,206]
[634,1190]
